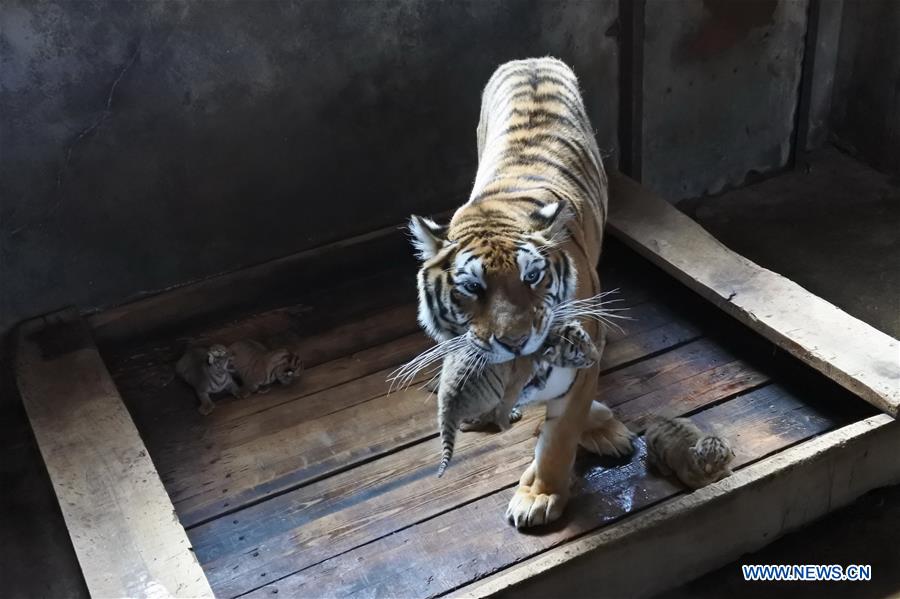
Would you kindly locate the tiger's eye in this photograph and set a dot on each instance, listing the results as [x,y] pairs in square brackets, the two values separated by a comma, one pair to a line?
[472,287]
[532,277]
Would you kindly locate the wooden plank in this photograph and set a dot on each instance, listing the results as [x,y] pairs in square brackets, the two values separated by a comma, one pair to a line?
[165,409]
[659,372]
[474,540]
[277,282]
[693,393]
[119,517]
[287,533]
[846,350]
[295,442]
[296,530]
[720,523]
[288,446]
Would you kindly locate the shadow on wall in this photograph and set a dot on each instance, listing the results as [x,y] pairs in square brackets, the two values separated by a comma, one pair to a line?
[866,105]
[720,92]
[150,144]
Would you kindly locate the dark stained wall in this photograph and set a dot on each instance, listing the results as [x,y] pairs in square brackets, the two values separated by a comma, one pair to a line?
[866,103]
[149,144]
[720,91]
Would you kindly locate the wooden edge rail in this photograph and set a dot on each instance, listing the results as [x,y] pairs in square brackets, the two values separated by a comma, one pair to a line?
[122,523]
[246,287]
[850,352]
[717,524]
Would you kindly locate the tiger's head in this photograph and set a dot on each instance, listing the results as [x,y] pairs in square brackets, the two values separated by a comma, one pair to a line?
[494,276]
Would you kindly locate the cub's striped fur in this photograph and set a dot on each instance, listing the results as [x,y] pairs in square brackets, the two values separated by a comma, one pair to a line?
[676,446]
[207,370]
[257,367]
[521,256]
[491,393]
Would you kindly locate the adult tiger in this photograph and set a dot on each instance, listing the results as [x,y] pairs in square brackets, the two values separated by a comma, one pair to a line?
[518,252]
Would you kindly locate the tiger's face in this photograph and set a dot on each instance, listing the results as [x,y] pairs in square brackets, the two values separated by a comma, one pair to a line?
[495,285]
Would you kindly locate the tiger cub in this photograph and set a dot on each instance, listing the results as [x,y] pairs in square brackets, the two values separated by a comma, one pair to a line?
[490,396]
[676,446]
[207,370]
[257,367]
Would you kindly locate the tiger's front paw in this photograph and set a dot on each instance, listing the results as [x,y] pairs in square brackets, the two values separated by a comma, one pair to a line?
[535,503]
[528,508]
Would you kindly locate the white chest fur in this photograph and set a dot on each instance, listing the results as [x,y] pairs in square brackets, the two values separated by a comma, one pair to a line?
[558,383]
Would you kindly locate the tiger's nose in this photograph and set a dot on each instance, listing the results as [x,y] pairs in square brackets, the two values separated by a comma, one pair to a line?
[513,344]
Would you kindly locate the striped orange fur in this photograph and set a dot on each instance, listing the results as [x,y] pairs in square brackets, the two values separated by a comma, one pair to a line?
[520,256]
[540,183]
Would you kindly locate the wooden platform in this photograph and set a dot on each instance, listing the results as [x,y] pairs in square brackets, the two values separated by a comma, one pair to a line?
[117,512]
[328,488]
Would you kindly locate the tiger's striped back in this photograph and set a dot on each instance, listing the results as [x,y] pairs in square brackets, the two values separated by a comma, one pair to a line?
[536,144]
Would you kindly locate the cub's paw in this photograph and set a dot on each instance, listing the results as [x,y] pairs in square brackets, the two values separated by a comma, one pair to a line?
[610,438]
[477,424]
[206,408]
[527,508]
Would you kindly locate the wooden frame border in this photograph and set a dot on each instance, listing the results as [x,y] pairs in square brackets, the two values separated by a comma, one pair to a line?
[719,523]
[850,352]
[140,539]
[122,523]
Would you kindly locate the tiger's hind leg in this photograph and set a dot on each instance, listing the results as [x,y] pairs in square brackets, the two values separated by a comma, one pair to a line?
[605,434]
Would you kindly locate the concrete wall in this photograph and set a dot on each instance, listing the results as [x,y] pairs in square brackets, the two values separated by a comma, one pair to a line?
[148,144]
[720,91]
[823,67]
[866,103]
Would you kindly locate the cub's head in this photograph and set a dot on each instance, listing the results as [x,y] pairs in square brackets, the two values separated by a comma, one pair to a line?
[219,358]
[712,454]
[494,276]
[287,367]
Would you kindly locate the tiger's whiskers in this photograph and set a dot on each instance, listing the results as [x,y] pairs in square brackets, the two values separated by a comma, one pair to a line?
[593,308]
[402,377]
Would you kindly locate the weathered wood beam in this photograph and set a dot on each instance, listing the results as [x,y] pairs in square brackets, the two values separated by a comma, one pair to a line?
[123,526]
[848,351]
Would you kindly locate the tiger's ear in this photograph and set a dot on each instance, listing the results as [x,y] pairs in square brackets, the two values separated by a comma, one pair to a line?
[428,237]
[551,221]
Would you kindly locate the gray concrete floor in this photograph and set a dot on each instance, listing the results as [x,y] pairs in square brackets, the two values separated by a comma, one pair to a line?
[834,227]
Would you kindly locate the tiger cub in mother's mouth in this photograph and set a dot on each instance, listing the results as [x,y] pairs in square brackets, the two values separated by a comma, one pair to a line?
[258,367]
[489,394]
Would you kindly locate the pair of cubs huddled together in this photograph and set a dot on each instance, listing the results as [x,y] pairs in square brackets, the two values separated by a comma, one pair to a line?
[474,398]
[242,368]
